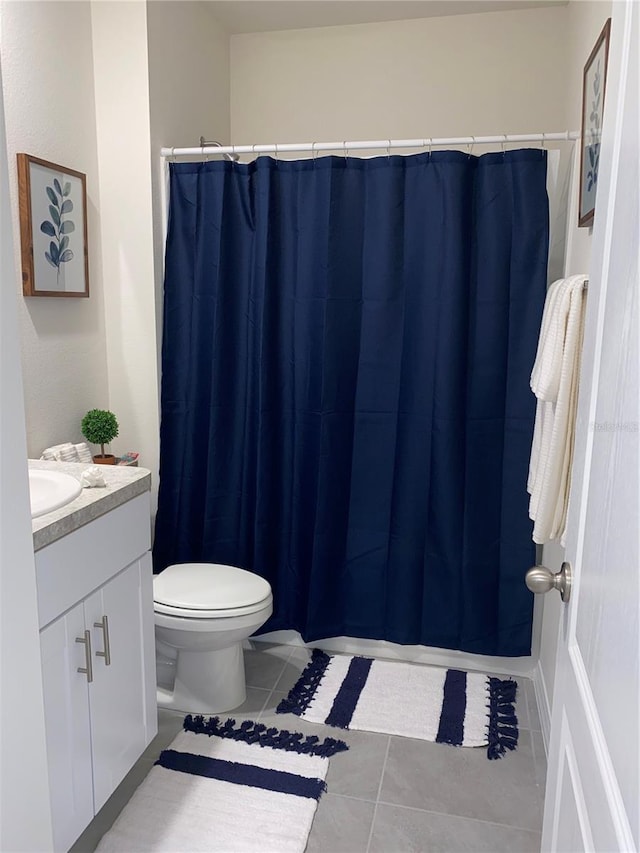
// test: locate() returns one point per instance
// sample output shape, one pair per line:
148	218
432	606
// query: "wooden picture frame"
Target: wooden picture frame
53	229
594	83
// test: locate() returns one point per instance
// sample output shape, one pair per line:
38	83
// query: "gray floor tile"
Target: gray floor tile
540	758
340	825
462	781
269	710
263	665
402	830
169	724
252	706
300	657
357	773
532	707
522	704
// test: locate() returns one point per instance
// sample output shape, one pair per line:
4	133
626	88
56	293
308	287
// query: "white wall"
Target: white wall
173	64
586	20
50	113
189	96
188	74
460	75
121	74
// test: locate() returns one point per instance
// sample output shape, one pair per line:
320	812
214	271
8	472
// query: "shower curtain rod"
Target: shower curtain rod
384	144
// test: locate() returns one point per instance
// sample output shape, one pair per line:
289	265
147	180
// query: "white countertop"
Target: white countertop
123	483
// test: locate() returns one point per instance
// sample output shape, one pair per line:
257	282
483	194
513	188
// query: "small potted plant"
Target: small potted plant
100	427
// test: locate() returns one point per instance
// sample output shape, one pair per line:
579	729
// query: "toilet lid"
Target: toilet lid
208	586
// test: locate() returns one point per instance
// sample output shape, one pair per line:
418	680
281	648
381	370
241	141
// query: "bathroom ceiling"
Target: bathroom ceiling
253	16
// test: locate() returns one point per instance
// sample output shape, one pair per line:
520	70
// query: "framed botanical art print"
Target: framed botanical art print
53	229
593	91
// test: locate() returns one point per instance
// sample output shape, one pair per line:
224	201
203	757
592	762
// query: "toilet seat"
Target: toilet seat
226	613
209	591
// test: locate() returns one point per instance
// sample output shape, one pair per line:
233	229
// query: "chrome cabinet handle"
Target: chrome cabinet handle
88	669
106	654
539	579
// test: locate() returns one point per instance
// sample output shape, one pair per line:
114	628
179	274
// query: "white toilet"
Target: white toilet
203	612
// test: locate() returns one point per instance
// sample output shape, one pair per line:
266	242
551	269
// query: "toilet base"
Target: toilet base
208	682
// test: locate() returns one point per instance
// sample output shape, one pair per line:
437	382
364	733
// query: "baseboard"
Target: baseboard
523	666
543	703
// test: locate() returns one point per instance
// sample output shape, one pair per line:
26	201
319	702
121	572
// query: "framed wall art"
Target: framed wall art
53	229
593	90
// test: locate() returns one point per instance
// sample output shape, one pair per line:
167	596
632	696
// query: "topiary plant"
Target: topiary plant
99	427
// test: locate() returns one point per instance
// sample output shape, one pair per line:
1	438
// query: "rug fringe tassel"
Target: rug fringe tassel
298	699
503	723
258	733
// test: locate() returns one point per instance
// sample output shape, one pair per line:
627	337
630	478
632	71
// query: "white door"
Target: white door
66	707
117	695
593	793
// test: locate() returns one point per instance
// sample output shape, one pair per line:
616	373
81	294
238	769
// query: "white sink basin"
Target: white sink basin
50	490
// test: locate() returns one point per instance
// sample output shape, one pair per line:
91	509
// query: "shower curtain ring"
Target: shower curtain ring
173	148
388	148
344	148
275	145
470	146
502	142
314	153
542	144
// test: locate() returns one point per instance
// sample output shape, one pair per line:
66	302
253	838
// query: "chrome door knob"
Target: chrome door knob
539	579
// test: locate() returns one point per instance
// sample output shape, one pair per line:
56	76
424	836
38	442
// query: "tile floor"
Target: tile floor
386	794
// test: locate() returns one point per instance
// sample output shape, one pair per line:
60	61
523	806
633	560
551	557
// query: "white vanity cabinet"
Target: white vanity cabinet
95	601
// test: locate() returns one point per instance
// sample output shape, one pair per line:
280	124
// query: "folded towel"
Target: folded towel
84	452
554	381
61	453
68	452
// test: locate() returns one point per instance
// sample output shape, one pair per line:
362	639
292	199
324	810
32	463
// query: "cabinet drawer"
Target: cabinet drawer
71	568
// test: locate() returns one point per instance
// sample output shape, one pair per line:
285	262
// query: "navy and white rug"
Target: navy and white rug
407	699
225	789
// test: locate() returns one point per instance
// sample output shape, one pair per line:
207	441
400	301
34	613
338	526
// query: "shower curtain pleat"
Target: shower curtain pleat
345	399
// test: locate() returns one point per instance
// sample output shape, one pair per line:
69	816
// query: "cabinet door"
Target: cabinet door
118	696
66	707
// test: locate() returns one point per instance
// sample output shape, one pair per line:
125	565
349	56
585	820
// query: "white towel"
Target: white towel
554	381
68	452
61	453
84	452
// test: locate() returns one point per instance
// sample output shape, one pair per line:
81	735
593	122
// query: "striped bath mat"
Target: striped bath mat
407	699
225	789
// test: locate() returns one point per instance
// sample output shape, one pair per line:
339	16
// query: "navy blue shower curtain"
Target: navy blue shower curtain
345	389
